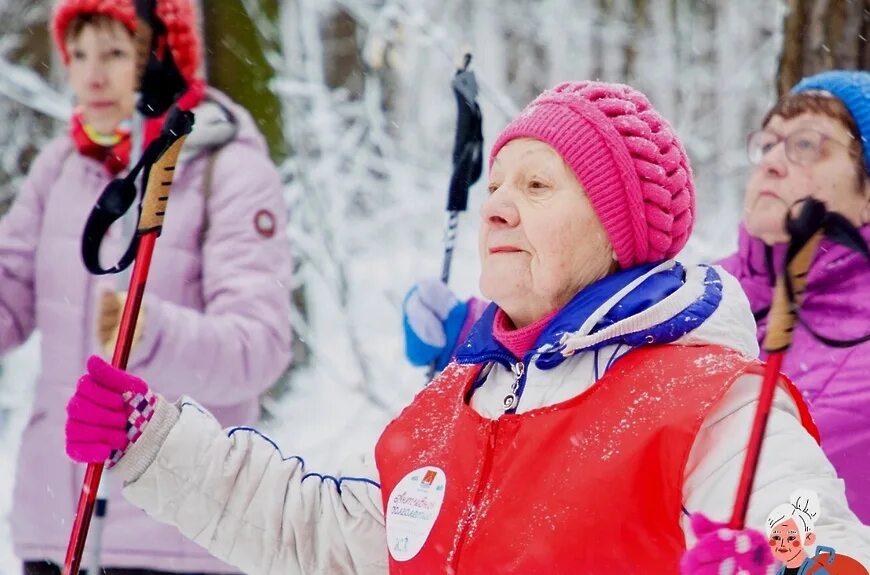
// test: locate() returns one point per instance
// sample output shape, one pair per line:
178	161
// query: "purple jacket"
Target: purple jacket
215	326
835	382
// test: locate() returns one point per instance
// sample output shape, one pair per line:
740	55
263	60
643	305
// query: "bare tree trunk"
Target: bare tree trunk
342	61
243	48
639	21
237	62
823	35
35	52
27	42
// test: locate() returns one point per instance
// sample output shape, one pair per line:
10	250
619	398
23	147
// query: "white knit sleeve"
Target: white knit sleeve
790	459
236	494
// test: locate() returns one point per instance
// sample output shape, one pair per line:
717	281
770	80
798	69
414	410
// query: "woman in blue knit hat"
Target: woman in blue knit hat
814	142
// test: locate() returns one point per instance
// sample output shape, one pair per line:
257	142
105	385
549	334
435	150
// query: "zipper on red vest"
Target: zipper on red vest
482	485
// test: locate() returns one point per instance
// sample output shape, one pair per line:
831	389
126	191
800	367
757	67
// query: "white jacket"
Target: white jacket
235	493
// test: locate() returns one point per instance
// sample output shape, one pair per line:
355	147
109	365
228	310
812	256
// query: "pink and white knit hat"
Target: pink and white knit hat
627	158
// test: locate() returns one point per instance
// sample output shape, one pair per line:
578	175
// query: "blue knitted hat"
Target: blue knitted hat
852	87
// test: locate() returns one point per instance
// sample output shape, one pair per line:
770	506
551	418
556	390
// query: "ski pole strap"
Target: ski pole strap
468	141
813	223
831	342
114	202
159	158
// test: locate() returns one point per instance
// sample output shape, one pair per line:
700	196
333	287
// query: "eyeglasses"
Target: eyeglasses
802	147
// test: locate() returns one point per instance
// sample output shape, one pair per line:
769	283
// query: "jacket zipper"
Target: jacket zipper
485	471
518	368
511	400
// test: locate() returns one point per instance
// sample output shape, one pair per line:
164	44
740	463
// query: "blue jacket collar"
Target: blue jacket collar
482	347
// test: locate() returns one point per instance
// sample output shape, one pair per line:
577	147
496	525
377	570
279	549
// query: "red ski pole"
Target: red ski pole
780	329
157	190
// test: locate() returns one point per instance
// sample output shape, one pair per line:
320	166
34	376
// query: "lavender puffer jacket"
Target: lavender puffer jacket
215	325
835	382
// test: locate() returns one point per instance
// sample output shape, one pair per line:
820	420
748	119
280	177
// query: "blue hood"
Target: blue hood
636	290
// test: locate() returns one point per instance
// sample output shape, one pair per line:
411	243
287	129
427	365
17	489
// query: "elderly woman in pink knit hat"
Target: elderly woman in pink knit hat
594	420
202	330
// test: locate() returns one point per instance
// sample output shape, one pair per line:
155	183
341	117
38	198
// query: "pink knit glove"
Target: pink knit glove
107	413
721	550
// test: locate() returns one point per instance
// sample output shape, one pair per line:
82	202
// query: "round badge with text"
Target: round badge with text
412	508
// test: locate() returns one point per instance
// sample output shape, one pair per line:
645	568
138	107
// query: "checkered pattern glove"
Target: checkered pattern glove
107	413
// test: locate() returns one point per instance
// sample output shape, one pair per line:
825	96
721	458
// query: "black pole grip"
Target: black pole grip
468	141
120	194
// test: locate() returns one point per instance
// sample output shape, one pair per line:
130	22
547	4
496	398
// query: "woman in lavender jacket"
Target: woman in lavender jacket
823	125
214	320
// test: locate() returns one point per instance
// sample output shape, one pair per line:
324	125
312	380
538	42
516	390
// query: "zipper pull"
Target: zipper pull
511	399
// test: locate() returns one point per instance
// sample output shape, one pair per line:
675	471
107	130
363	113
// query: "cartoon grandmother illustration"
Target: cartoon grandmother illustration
790	533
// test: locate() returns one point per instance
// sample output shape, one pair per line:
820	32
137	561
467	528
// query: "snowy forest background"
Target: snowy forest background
354	98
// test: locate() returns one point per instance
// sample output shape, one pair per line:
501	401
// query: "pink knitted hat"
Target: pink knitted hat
626	156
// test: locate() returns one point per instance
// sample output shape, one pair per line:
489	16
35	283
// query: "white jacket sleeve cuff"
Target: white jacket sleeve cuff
142	453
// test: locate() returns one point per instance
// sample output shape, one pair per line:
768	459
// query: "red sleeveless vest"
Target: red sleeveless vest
589	485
